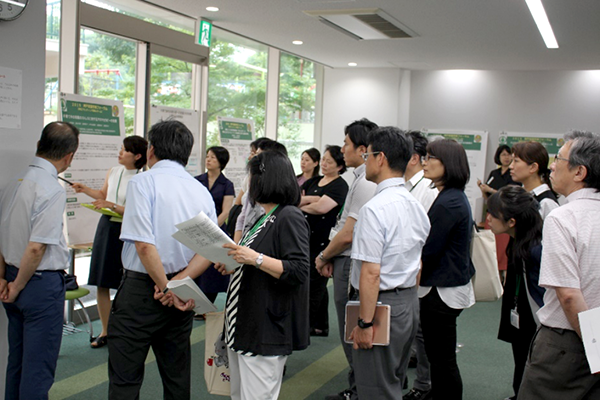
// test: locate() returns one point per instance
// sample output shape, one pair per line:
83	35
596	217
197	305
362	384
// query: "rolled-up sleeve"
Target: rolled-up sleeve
137	220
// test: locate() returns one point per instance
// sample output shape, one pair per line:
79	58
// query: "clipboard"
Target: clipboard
381	322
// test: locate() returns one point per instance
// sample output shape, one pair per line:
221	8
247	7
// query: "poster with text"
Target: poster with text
475	145
101	132
11	88
190	119
551	141
236	136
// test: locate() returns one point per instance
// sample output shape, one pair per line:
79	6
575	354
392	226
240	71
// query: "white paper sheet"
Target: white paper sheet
203	236
186	289
589	322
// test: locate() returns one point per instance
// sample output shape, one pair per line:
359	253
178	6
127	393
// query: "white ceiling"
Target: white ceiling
452	34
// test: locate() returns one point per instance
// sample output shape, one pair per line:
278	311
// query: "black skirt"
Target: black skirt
106	268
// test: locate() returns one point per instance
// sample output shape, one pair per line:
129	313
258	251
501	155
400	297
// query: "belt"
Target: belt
394	290
145	277
560	331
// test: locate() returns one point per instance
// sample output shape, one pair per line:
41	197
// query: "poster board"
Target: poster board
475	145
551	141
236	135
101	132
189	118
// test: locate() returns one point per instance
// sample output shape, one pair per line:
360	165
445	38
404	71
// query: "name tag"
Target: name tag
514	318
332	233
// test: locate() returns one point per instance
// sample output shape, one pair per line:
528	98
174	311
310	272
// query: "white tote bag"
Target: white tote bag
216	364
486	281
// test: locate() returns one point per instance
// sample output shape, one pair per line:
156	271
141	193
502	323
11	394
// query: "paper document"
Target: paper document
203	236
589	322
186	289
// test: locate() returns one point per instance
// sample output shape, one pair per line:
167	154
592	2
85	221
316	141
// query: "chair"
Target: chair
77	294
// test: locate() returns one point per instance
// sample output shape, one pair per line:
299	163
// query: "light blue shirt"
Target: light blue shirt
391	231
157	200
31	210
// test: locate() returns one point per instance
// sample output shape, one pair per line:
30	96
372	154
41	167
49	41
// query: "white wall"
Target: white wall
517	101
22	48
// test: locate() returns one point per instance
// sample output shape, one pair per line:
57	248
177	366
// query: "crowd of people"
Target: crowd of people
398	235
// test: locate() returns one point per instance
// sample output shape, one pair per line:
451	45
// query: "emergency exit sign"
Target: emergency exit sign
203	32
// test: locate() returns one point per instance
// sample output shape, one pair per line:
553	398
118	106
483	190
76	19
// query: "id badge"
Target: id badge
332	233
514	318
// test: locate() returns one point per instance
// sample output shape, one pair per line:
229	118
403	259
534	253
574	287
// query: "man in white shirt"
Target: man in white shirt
157	200
335	259
557	367
386	250
33	257
422	189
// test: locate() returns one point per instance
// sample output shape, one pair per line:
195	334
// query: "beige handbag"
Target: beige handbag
486	281
216	364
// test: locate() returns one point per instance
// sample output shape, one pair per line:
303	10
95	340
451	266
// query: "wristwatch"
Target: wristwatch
114	207
321	257
259	260
364	325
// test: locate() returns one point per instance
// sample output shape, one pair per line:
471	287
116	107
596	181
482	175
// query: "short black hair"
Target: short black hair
358	131
256	143
394	143
172	140
272	145
456	164
499	150
221	154
136	145
272	179
314	155
336	153
419	143
58	139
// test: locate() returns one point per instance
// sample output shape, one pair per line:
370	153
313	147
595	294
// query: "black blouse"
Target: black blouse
497	179
272	315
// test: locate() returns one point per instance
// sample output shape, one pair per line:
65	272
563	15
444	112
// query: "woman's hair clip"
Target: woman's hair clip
262	168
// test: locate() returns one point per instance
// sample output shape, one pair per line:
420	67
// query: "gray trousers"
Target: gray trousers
557	368
423	379
341	275
380	371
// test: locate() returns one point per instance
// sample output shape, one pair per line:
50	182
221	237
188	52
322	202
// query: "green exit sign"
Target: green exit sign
203	32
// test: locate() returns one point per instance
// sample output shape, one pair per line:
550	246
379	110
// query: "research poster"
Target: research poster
236	136
551	141
11	88
101	132
475	145
190	119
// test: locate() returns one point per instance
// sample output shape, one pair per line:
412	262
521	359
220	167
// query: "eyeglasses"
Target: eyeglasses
557	159
426	158
366	155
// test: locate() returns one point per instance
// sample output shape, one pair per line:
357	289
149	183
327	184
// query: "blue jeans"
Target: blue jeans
35	323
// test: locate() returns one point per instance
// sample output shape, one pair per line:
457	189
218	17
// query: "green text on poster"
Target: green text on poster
552	145
91	118
468	141
235	130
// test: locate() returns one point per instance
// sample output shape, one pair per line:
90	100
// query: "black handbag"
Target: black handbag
71	282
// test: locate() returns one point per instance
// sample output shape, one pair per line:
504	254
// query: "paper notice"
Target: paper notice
11	87
203	236
589	322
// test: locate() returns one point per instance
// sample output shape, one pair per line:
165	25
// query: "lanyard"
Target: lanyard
252	231
419	181
517	290
119	185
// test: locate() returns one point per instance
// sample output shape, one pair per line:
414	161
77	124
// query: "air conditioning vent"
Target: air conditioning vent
364	24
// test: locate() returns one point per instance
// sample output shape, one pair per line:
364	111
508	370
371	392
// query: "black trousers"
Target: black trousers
318	300
138	322
438	322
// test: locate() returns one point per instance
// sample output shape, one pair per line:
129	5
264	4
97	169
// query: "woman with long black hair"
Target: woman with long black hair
514	211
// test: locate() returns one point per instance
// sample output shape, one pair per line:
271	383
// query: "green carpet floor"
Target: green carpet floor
485	363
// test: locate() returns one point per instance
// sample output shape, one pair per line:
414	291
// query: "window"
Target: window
108	70
237	83
297	95
52	57
171	82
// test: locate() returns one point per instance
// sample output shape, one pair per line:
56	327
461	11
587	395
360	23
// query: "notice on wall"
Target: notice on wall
236	136
11	87
189	118
475	145
551	141
101	132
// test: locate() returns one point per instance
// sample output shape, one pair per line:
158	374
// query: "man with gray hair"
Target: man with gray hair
557	367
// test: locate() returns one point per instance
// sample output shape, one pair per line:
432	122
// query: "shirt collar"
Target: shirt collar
360	170
416	178
389	183
167	164
540	189
585	193
45	165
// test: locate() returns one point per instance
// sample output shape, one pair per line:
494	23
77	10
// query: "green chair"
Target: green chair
76	295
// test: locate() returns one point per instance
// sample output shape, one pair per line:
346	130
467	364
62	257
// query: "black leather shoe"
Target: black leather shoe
416	394
343	395
98	341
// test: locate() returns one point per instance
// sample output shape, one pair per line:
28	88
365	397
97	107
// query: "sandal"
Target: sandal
98	341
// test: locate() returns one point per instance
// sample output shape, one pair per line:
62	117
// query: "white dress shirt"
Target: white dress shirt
391	231
570	255
32	208
157	200
546	205
420	187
